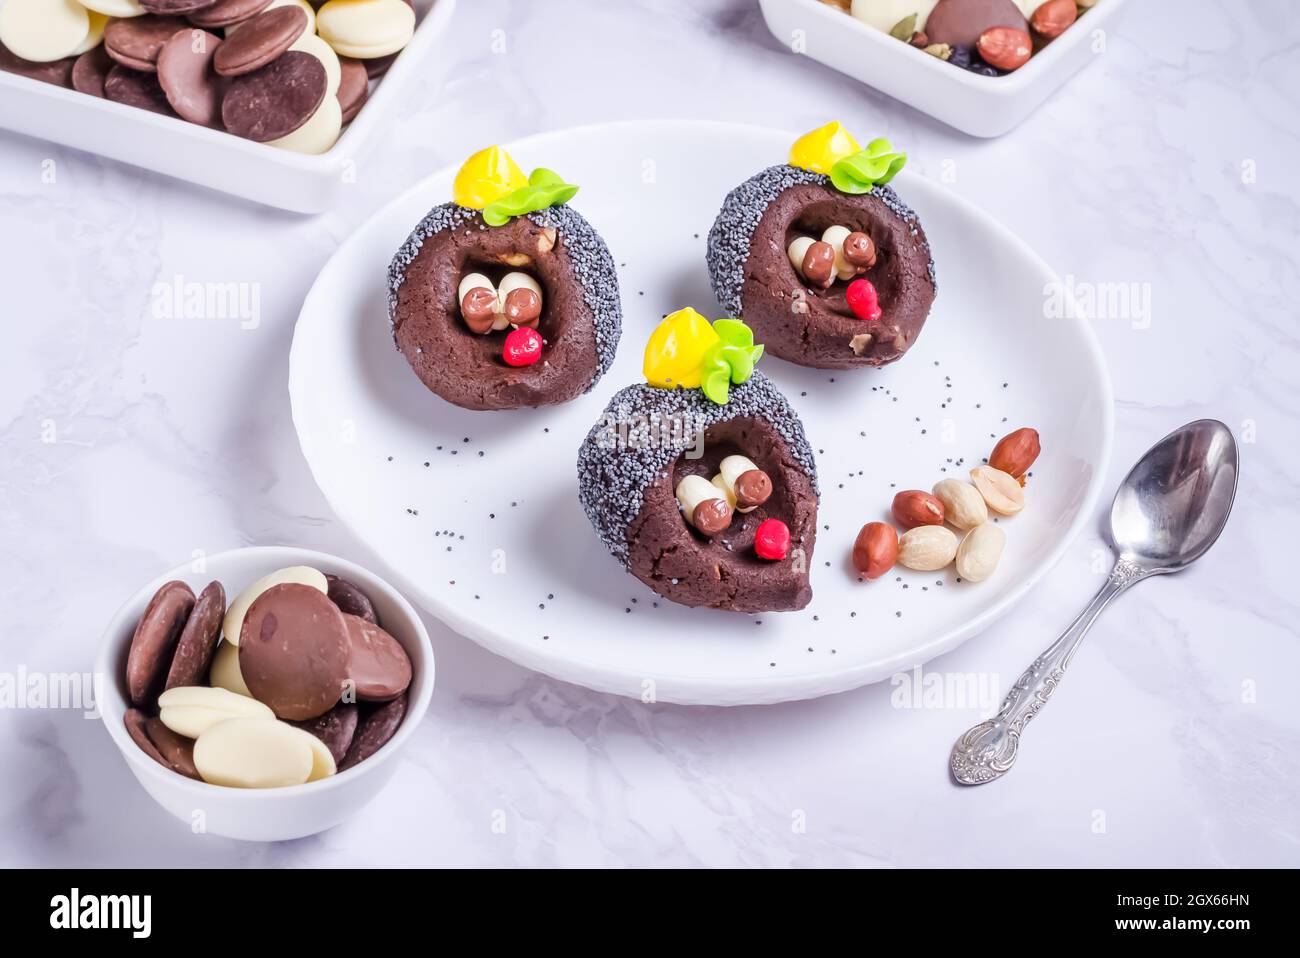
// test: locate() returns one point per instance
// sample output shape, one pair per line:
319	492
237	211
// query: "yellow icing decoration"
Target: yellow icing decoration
674	356
821	149
487	176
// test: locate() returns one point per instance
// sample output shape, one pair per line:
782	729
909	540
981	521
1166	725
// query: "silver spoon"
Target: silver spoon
1168	511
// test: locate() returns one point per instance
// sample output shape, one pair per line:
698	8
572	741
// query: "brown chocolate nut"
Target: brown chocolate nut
91	70
354	87
136	42
272	102
350	598
260	40
294	651
177	751
753	488
479	309
711	516
335	728
374	730
136	723
186	76
523	307
155	638
225	13
819	264
134	88
380	667
57	72
860	251
198	639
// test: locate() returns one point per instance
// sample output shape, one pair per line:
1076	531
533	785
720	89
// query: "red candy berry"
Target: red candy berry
772	539
863	300
523	347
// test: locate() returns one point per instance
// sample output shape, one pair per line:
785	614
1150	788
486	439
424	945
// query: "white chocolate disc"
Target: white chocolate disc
191	710
43	30
96	35
319	133
122	9
225	672
299	574
254	753
365	29
322	760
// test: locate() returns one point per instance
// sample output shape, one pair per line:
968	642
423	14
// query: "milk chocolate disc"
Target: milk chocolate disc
155	639
381	669
274	101
136	41
57	72
959	23
354	87
350	599
175	6
198	639
177	751
123	85
225	13
136	723
260	40
185	72
335	728
91	70
378	66
294	651
374	730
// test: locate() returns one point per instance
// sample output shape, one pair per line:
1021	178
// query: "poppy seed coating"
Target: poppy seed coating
644	429
593	266
733	230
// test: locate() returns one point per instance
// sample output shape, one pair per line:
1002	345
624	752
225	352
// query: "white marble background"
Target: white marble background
1174	741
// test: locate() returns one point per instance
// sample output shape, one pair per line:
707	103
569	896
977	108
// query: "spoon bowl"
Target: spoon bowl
1173	504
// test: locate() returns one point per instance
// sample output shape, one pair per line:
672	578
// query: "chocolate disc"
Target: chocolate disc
225	13
380	669
177	751
354	87
136	724
335	728
294	651
274	101
90	71
185	72
260	40
57	72
134	88
155	640
374	730
198	639
378	66
175	6
350	599
137	41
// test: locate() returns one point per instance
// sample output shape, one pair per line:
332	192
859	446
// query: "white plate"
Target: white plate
214	158
489	535
979	105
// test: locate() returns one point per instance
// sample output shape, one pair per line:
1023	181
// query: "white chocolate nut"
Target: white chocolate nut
696	491
191	710
798	250
225	672
835	236
254	753
299	574
43	30
729	493
927	548
1000	490
963	506
979	552
509	283
322	761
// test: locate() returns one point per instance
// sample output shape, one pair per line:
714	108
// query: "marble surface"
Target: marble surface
1174	740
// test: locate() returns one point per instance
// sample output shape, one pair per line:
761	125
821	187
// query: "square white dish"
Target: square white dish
214	158
978	105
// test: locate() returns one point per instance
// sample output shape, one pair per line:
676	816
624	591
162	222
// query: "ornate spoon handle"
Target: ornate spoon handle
989	749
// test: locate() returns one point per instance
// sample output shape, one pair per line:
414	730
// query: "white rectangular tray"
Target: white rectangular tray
978	105
213	158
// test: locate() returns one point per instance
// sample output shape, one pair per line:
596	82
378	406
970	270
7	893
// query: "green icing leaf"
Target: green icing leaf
874	166
545	189
730	360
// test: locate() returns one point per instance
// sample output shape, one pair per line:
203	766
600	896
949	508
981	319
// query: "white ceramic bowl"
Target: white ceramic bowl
271	814
214	158
978	105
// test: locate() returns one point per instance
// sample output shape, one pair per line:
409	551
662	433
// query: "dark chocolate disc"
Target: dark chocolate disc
177	751
136	41
91	70
260	40
154	641
375	728
225	13
134	88
198	639
350	598
274	101
57	72
175	7
354	87
335	728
